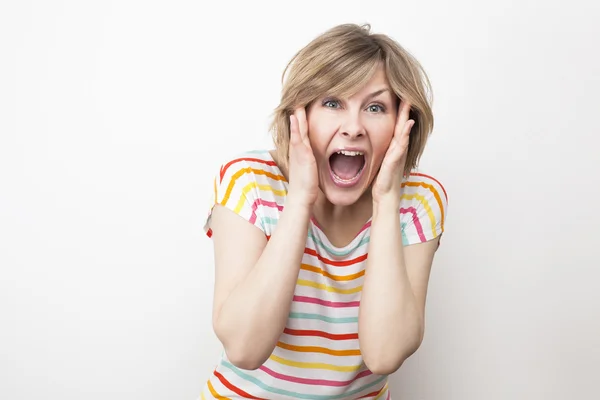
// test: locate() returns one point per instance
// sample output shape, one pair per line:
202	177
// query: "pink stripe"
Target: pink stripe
304	299
415	221
264	203
317	382
388	396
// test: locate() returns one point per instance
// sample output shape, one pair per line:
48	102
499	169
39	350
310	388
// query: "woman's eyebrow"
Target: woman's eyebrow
375	94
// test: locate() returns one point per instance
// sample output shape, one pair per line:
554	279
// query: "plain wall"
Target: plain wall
114	116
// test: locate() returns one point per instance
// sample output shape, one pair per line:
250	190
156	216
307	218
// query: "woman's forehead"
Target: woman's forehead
378	85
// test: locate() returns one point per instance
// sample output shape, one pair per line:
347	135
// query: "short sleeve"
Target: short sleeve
423	209
234	186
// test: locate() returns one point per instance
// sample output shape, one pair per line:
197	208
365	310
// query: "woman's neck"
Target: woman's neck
341	224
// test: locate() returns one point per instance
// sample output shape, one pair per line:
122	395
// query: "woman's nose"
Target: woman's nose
352	127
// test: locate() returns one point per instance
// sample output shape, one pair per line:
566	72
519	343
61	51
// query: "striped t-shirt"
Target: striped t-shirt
317	356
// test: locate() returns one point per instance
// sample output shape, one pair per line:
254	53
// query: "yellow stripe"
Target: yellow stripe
382	392
435	194
318	270
202	395
425	205
307	365
243	171
315	349
303	282
251	186
215	394
433	190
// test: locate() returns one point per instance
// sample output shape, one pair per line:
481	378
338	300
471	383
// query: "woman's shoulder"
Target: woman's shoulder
252	175
247	182
423	207
257	166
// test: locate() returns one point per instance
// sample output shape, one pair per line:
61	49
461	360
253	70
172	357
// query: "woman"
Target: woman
300	309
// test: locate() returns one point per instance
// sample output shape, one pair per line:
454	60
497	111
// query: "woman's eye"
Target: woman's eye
375	108
331	103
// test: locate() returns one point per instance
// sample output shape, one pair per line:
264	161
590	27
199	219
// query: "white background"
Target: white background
115	114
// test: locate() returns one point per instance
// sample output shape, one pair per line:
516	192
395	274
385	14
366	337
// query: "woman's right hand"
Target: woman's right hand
303	178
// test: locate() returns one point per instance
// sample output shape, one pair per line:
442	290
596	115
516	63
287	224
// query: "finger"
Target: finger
294	130
403	115
405	138
400	142
405	109
300	114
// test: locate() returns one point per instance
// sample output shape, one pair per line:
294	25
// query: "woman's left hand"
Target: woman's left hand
389	178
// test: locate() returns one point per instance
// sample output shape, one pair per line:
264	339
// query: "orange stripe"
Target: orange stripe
433	179
318	270
435	194
315	349
234	389
214	393
243	171
258	160
369	395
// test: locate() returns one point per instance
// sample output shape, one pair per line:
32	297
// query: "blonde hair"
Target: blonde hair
339	62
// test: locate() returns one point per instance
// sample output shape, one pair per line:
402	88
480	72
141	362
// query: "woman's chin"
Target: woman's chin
342	199
340	196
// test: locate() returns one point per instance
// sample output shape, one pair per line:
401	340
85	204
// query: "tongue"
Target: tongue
346	167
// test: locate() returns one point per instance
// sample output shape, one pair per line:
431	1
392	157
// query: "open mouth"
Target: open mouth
346	167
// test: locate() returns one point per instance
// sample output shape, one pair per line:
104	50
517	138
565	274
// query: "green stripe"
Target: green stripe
269	220
273	222
335	252
338	320
404	238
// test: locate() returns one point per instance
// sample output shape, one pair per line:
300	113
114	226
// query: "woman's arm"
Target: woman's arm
255	281
392	307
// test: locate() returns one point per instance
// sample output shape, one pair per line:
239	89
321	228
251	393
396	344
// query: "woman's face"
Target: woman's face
349	138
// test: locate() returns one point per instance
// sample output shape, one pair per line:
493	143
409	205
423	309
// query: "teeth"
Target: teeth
350	153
